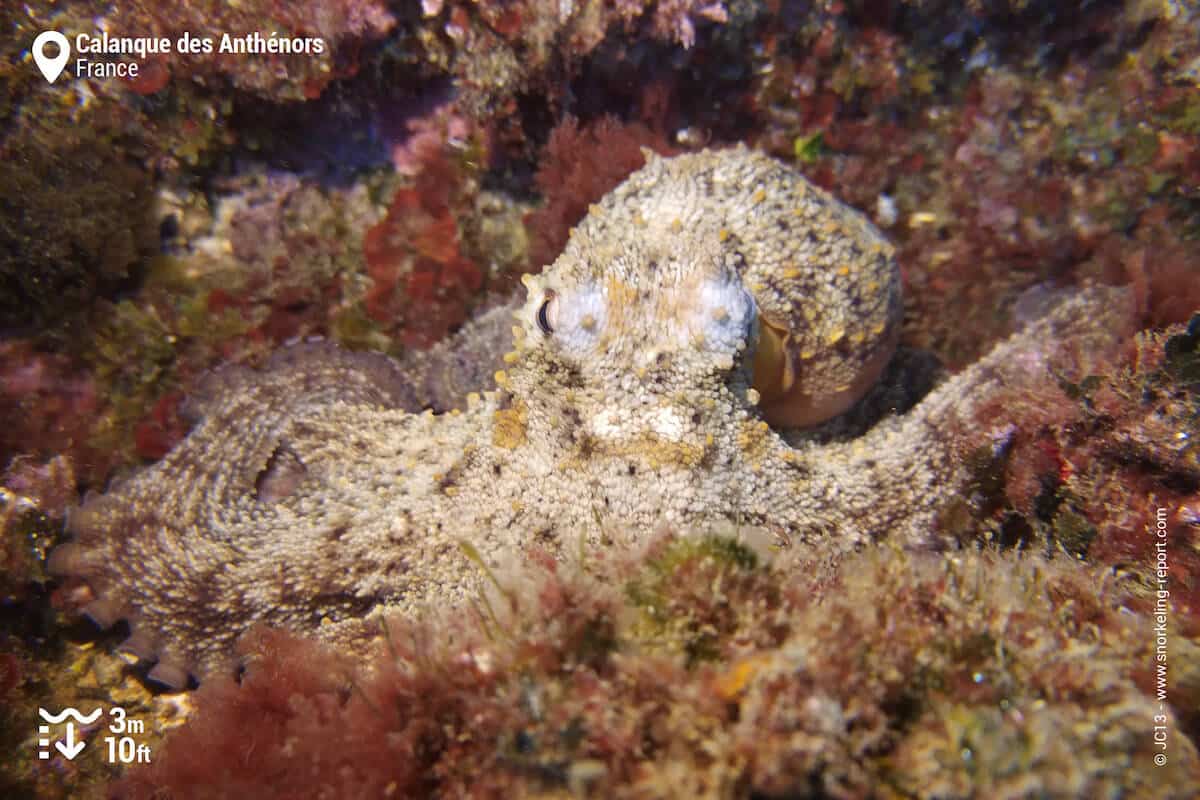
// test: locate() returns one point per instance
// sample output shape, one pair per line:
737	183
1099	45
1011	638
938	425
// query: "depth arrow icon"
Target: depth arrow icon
72	747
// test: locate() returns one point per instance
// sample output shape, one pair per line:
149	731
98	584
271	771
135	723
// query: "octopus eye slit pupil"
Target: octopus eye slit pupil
543	319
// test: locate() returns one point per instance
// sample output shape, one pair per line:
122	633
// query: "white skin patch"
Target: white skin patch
725	315
577	319
665	422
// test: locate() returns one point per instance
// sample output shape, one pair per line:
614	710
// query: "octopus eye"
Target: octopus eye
545	314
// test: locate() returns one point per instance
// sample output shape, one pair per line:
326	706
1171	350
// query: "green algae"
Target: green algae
1072	531
809	148
76	217
1182	352
667	588
133	355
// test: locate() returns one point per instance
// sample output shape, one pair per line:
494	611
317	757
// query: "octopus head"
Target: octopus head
639	318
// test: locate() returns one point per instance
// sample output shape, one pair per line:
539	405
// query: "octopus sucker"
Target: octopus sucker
172	676
104	611
139	644
321	489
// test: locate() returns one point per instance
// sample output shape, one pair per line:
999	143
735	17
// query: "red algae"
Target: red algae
162	429
423	284
1101	452
49	402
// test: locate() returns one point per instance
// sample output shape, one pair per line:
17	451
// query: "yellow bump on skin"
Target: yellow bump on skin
512	357
501	378
791	273
595	210
508	428
588	323
873	287
759	196
798	211
723	234
807	354
450	491
473	399
753	439
857	337
835	335
454	412
709	440
518	332
878	328
676	225
843	271
639	220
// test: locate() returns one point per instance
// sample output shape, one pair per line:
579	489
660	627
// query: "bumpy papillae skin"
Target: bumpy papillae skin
307	497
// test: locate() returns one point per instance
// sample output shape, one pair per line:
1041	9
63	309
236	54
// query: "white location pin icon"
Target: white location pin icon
51	67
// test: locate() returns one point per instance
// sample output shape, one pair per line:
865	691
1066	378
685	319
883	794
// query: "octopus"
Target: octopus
663	370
